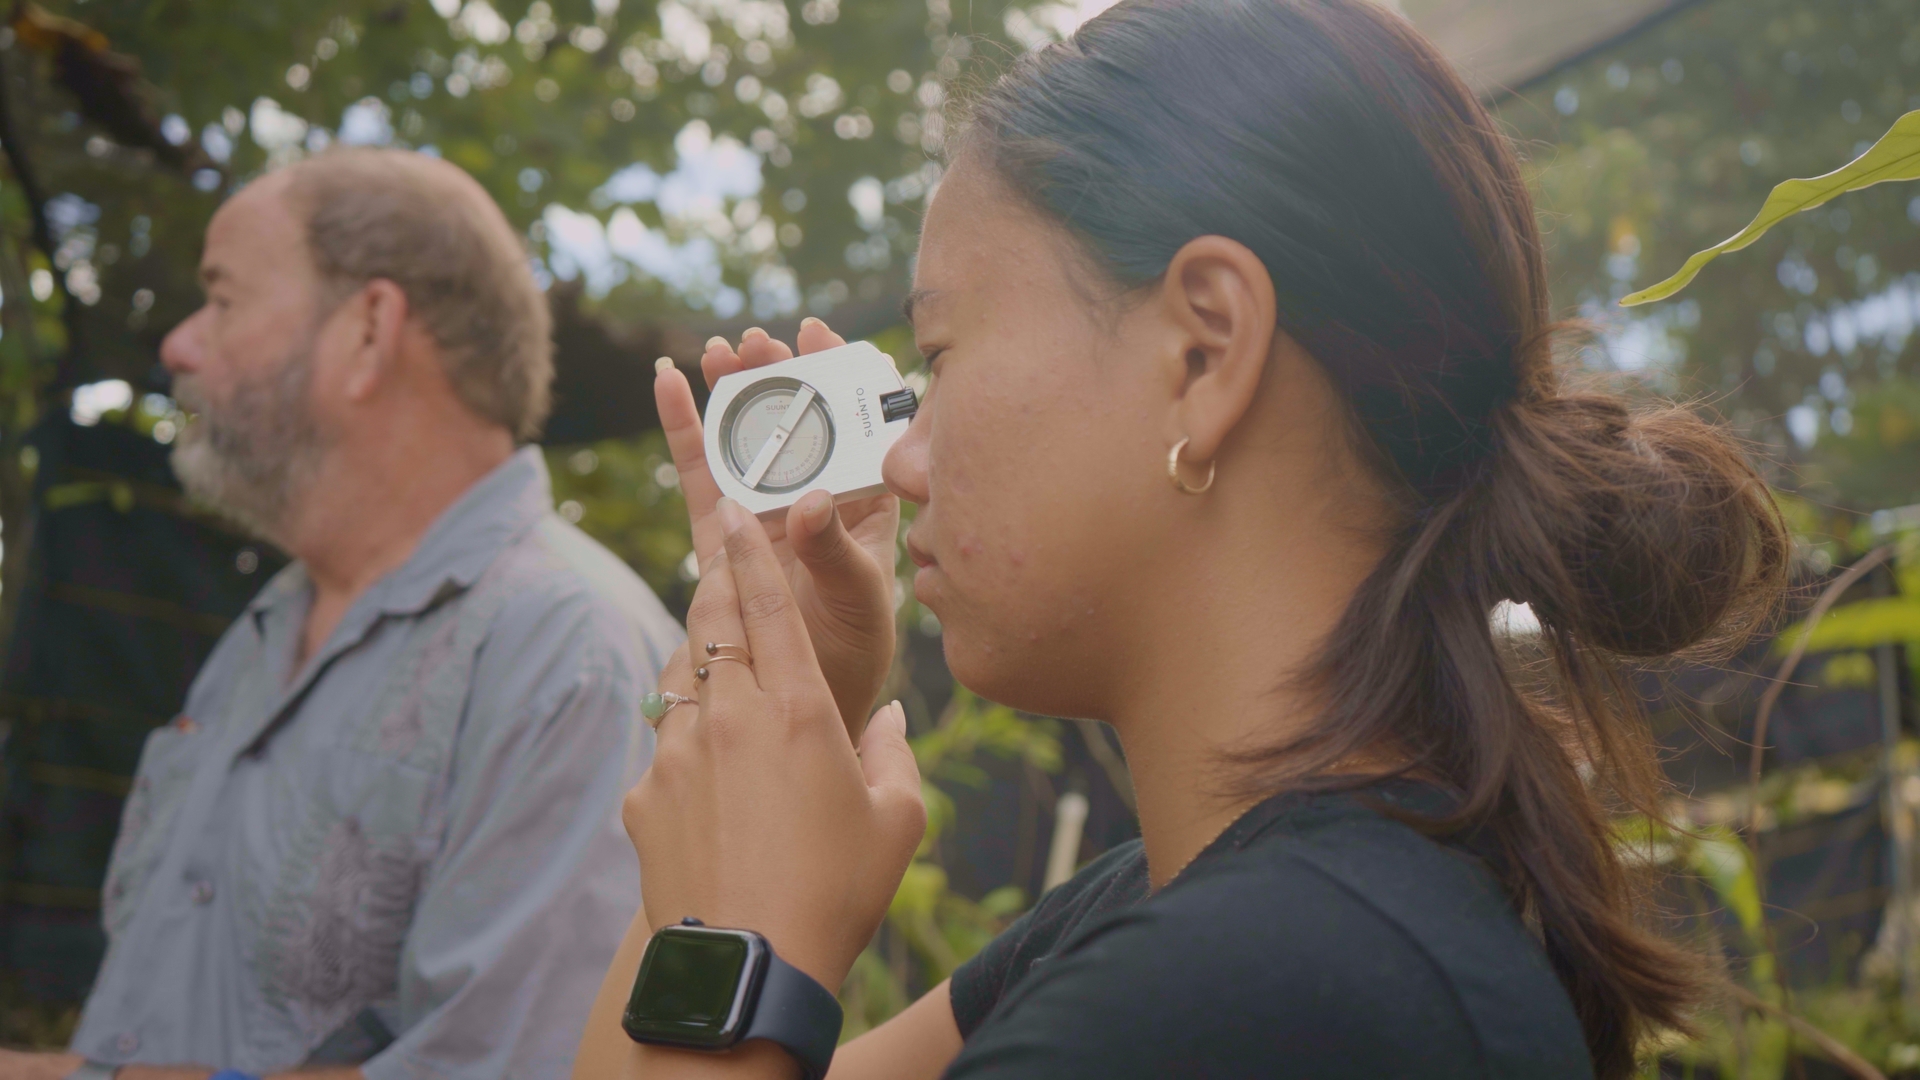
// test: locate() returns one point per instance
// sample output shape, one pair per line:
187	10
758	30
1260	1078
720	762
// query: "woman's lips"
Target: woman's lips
918	554
922	584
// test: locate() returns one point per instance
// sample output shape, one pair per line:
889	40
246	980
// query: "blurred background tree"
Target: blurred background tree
1668	142
677	167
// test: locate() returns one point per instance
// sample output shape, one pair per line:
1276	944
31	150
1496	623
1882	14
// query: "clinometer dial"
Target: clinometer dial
777	435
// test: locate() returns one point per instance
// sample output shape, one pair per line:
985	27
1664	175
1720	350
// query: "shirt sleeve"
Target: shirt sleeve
1113	882
1207	983
978	983
524	906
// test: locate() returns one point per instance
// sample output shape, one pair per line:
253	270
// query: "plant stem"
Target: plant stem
1855	1065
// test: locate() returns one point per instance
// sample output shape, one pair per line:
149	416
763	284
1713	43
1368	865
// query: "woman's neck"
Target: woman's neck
1212	671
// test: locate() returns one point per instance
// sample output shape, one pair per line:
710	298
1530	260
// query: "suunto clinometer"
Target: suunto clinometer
824	420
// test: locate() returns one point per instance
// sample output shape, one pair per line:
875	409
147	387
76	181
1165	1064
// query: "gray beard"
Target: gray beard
251	457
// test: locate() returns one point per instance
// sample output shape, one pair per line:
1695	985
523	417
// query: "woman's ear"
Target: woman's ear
1219	299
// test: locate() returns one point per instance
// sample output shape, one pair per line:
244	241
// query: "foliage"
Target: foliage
1876	463
1896	156
1887	620
930	929
685	160
1662	143
711	155
1864	624
626	494
1731	1041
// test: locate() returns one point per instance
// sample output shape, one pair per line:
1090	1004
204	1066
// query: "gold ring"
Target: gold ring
701	672
655	707
714	647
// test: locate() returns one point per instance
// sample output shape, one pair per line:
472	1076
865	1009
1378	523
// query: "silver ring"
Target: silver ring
655	707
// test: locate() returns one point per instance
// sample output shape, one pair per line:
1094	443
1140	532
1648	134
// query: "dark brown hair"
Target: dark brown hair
1339	146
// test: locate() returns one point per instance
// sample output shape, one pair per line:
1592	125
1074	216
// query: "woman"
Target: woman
1243	420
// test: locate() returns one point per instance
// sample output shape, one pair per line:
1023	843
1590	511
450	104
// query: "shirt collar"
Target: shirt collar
461	543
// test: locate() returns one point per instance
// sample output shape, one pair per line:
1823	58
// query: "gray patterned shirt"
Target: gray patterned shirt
407	853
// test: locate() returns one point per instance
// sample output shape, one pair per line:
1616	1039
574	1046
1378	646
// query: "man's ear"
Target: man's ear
1219	299
378	314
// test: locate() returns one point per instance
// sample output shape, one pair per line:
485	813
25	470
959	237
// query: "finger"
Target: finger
677	678
775	632
815	337
714	616
842	569
893	776
874	523
719	360
758	350
680	420
677	675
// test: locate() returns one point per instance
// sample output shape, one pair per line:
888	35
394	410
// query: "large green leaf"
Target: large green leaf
1886	620
1895	157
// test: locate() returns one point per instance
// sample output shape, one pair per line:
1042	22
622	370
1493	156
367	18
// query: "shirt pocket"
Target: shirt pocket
169	759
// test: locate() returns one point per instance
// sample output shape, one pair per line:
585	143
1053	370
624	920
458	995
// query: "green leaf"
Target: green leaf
1722	860
1895	157
1860	625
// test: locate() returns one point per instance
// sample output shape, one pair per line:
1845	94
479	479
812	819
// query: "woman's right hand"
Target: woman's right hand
756	812
838	560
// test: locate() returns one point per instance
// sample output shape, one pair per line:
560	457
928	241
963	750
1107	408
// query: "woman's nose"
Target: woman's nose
905	467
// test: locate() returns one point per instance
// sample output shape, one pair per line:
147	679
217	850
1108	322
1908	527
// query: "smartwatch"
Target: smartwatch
704	988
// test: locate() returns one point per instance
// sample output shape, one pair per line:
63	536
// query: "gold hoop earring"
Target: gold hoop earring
1173	471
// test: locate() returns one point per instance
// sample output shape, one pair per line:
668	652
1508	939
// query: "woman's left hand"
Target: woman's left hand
757	812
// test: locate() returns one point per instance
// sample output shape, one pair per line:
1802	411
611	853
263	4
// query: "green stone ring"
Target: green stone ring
655	707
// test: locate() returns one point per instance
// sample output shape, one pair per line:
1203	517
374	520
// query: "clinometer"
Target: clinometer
824	420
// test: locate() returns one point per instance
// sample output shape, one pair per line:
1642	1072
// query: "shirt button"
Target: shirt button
203	892
126	1042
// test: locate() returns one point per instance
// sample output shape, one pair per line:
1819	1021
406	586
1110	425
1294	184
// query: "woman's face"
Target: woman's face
1037	458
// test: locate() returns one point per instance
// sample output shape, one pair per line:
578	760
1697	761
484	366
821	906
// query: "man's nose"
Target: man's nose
181	350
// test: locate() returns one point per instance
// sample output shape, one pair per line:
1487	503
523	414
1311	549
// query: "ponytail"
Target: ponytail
1630	534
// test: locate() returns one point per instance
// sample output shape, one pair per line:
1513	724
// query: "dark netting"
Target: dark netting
127	591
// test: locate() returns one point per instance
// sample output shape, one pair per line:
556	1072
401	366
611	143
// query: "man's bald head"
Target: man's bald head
431	229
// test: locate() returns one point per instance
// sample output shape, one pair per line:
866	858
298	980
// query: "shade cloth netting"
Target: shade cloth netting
127	591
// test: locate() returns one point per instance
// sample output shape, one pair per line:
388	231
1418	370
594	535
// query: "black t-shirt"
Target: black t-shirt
1316	939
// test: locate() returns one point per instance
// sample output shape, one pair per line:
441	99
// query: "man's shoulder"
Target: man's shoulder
559	585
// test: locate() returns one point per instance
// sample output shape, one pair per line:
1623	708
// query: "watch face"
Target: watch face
778	435
693	985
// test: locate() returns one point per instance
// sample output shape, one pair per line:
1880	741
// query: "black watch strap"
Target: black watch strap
797	1013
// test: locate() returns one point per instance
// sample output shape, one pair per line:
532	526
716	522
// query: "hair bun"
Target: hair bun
1642	531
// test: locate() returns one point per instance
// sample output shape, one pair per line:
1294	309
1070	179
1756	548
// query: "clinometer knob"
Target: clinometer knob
898	405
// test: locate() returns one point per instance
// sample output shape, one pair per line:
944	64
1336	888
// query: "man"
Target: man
382	839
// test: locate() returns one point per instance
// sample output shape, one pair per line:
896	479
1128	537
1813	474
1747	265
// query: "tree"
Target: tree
1668	142
682	164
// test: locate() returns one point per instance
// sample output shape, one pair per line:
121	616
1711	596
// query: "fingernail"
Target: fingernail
819	507
663	365
751	331
716	340
733	516
812	320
